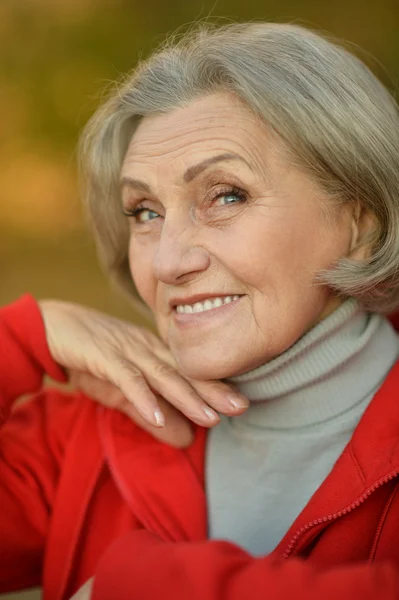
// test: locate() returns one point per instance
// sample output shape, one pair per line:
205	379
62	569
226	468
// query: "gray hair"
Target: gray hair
335	117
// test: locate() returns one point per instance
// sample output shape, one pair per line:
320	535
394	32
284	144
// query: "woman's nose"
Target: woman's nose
178	257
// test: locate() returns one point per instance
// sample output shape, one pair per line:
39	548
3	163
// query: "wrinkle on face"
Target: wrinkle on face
267	249
156	148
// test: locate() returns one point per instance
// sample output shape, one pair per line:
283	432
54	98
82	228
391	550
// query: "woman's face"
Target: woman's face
227	237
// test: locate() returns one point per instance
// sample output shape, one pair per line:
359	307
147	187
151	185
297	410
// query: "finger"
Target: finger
169	384
129	380
177	432
221	396
104	392
224	398
84	382
164	354
195	401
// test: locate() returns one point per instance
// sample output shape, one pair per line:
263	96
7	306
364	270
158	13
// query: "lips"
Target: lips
207	304
194	298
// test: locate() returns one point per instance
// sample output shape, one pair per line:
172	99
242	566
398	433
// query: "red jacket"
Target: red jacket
84	492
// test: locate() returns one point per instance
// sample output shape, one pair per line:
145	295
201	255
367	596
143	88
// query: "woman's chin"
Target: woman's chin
203	368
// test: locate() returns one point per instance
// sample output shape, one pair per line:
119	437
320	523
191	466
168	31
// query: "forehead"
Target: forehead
214	124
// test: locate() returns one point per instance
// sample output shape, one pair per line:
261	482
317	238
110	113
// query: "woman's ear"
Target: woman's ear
354	234
362	226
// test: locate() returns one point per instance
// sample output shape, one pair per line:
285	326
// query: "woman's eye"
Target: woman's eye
141	214
145	214
232	197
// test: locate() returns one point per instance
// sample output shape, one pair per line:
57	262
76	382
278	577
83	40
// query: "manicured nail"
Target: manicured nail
238	402
159	418
211	414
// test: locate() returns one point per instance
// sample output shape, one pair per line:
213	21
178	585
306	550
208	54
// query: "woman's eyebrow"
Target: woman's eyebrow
192	172
189	174
135	183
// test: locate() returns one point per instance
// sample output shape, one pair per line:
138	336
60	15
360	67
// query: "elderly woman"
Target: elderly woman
244	183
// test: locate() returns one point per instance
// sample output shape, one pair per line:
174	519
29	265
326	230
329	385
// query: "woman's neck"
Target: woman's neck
325	373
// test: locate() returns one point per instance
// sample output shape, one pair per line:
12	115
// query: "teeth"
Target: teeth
197	307
203	306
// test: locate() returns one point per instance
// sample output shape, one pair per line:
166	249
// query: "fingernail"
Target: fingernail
159	418
238	402
211	414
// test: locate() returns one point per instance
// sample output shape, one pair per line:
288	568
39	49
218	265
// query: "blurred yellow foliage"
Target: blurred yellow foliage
40	196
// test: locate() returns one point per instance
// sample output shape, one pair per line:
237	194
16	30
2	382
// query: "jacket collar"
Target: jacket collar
165	486
370	459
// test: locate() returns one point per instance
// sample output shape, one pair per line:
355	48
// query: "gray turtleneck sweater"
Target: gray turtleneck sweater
263	466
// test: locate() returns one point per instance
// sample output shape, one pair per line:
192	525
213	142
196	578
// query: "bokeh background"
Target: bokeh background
56	57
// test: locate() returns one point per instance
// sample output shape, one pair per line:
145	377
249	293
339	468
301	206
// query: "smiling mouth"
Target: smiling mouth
209	304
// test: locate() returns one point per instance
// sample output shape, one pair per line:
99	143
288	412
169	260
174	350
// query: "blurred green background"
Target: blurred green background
56	58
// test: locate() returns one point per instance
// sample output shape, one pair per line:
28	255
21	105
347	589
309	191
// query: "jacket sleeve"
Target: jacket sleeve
30	448
140	566
24	354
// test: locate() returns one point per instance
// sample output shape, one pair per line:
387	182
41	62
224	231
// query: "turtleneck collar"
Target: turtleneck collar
325	373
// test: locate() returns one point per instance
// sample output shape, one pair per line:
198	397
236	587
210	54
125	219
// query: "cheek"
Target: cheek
140	263
264	248
315	238
287	249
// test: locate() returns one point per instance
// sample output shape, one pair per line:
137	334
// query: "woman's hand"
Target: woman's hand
127	367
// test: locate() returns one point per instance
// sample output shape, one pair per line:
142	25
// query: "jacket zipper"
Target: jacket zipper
294	541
